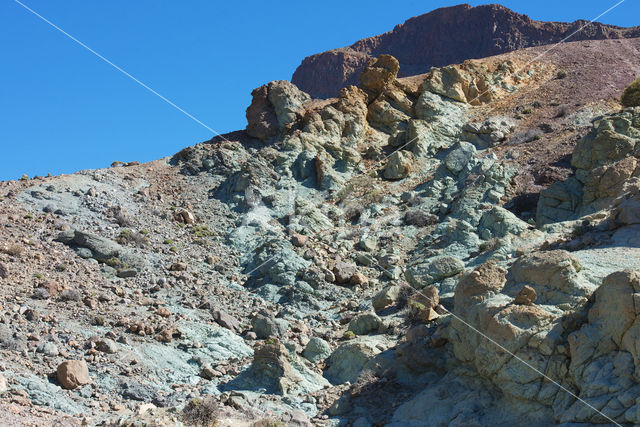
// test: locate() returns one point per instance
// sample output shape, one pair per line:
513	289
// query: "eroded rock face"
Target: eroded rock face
262	122
606	173
273	107
348	360
378	74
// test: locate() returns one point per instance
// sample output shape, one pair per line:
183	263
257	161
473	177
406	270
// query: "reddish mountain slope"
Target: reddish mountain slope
441	37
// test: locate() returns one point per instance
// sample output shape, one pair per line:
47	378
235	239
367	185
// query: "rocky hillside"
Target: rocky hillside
441	37
458	247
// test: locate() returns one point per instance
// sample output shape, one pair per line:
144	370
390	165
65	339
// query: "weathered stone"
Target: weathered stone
4	385
359	279
343	271
553	275
317	349
386	297
271	368
526	296
399	165
490	132
107	345
378	74
459	157
348	360
225	320
73	373
265	326
364	324
262	122
433	270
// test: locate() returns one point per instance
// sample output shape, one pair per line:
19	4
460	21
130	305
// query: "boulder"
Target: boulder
273	107
73	373
499	222
225	320
399	165
101	248
526	296
459	157
433	270
348	360
107	345
317	349
262	122
489	132
287	101
553	275
267	326
365	323
483	282
386	297
343	271
379	73
271	368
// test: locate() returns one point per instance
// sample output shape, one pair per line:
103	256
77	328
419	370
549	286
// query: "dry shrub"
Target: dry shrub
631	95
200	412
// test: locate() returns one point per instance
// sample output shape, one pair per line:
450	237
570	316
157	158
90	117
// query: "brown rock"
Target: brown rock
262	122
299	240
163	312
73	373
178	266
359	279
427	297
378	74
478	285
226	320
526	296
343	271
185	217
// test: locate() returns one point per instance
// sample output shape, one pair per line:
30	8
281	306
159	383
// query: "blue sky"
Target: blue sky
63	109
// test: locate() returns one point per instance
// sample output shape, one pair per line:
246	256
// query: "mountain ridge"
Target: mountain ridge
443	36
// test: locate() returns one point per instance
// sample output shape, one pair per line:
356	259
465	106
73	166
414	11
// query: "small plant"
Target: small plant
561	74
631	95
199	412
61	267
562	111
168	242
114	262
527	110
38	276
130	237
24	177
349	335
201	231
173	249
538	137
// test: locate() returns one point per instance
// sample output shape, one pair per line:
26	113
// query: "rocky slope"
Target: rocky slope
458	247
441	37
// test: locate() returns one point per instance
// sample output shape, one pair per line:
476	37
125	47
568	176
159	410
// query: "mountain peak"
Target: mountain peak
443	36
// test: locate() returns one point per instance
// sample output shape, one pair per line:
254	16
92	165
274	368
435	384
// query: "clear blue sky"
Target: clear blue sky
63	109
